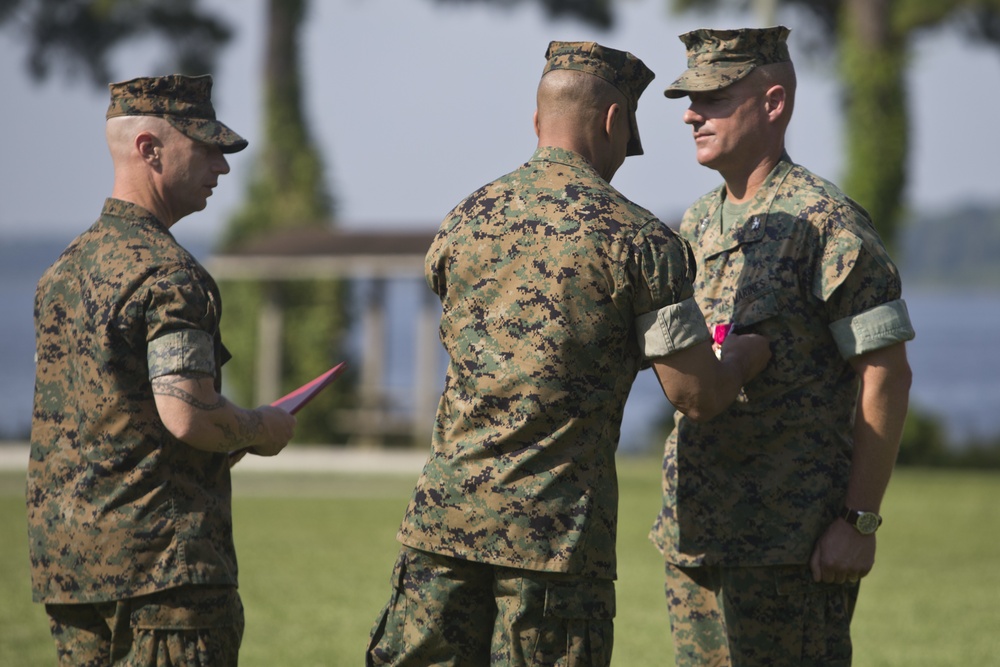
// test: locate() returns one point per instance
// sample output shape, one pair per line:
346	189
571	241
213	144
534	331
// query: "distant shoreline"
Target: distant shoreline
954	377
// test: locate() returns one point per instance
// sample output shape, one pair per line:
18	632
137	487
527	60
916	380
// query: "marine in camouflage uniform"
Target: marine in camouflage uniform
754	503
556	290
130	527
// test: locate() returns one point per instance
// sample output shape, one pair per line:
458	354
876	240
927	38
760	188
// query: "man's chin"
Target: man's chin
195	207
706	161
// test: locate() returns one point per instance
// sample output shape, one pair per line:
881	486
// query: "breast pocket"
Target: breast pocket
764	314
750	313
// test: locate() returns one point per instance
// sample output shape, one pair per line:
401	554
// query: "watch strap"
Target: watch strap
852	517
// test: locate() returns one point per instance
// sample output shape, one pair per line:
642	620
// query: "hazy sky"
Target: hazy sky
415	104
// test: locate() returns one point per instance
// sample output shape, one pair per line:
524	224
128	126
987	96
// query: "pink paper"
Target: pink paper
720	332
293	401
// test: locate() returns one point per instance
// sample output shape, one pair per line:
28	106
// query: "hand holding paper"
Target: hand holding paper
295	400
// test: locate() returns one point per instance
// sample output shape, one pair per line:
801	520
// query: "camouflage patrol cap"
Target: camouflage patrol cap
619	68
183	101
718	58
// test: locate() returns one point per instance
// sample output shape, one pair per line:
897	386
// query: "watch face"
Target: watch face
867	523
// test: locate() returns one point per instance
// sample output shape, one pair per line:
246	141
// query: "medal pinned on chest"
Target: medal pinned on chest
719	333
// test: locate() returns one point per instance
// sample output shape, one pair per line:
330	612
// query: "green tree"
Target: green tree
80	36
287	191
595	12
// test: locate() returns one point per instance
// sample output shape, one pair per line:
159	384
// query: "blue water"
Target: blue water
954	358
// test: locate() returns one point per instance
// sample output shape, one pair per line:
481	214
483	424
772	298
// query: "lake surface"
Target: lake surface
954	359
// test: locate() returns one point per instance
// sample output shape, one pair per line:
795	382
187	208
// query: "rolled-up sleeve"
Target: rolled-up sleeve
671	329
876	328
187	351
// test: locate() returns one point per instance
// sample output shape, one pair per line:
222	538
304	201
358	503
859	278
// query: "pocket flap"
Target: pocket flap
753	310
592	599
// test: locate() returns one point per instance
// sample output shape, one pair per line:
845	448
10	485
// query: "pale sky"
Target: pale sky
415	104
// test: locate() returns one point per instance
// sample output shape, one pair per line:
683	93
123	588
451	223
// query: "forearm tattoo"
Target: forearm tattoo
168	385
249	425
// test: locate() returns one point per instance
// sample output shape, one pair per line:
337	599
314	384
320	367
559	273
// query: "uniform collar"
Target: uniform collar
561	156
713	241
133	213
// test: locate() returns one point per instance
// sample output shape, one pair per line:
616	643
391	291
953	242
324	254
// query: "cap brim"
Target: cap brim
706	79
634	143
209	132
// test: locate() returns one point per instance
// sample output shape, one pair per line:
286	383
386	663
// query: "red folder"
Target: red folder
293	401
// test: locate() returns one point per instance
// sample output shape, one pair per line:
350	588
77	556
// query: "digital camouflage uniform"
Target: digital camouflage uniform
747	494
125	522
555	290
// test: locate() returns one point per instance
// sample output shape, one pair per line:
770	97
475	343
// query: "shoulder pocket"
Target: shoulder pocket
839	257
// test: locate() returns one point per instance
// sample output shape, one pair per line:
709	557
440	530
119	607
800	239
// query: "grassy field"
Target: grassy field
316	549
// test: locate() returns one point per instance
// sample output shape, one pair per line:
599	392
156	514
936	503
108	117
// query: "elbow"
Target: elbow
703	413
700	408
189	431
184	430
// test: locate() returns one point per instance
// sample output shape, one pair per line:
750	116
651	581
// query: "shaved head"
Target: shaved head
585	114
122	130
778	74
570	96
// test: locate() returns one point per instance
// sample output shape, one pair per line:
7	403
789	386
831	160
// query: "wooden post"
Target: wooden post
373	345
425	378
270	328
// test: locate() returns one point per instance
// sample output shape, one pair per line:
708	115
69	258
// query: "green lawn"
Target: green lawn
316	549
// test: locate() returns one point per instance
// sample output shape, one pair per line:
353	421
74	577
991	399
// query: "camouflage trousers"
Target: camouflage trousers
449	611
189	626
748	616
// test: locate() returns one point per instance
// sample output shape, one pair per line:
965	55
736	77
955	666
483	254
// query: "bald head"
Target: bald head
121	132
573	98
583	113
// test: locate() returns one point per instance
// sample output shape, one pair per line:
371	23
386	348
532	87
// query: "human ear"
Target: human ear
612	116
148	147
774	102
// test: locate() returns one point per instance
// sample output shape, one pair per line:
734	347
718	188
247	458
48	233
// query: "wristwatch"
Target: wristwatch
866	523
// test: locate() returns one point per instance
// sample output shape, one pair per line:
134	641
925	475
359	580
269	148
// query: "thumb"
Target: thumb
817	572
